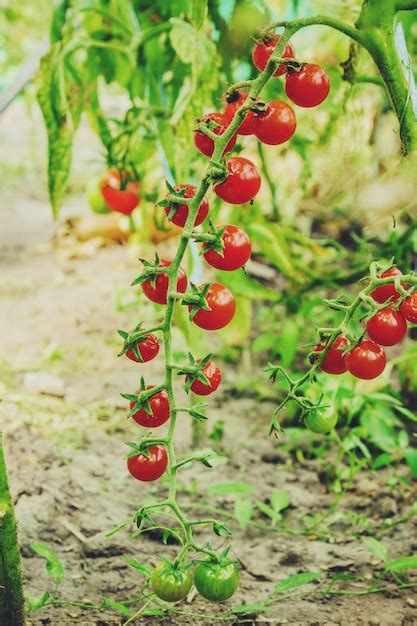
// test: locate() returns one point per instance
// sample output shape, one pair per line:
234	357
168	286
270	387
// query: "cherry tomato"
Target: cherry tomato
95	197
204	143
160	410
181	210
213	375
321	421
334	361
408	308
117	199
263	49
236	250
387	327
148	469
382	293
309	86
222	307
367	360
246	127
158	291
242	183
276	125
148	348
171	583
216	581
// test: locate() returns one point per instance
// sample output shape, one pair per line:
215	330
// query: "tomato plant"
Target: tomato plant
119	193
408	308
207	379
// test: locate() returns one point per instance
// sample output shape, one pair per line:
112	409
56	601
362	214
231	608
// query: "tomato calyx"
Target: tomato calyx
197	300
152	269
143	447
141	398
132	341
194	371
294	66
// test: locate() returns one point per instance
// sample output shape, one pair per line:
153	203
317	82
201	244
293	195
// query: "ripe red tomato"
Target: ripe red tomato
387	327
222	307
181	210
263	49
204	143
408	308
242	183
117	199
157	290
213	375
236	251
334	362
160	410
382	293
309	86
246	127
148	348
148	469
367	360
276	125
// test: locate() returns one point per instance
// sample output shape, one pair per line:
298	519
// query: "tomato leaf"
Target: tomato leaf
401	564
143	569
53	565
376	548
410	456
199	12
34	604
296	581
243	511
117	606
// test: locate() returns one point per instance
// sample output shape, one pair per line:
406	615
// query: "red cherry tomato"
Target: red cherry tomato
160	410
246	127
408	308
117	199
382	293
148	348
157	290
309	86
276	125
236	250
387	327
367	360
213	375
334	362
262	51
242	183
181	210
204	143
222	307
148	469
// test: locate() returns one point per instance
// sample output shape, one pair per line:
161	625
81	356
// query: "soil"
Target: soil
58	316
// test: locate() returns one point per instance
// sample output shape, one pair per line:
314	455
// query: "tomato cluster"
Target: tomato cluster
215	581
115	191
386	327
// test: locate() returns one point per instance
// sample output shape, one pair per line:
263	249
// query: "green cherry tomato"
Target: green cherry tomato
171	583
216	581
95	197
321	422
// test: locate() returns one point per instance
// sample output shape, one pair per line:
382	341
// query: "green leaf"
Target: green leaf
58	19
274	250
296	581
410	456
243	511
199	12
376	548
382	460
288	342
54	566
280	500
223	489
143	569
247	287
403	563
35	604
117	606
247	609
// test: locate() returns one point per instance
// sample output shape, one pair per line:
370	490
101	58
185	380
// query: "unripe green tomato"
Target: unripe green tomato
321	422
169	583
216	581
95	197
